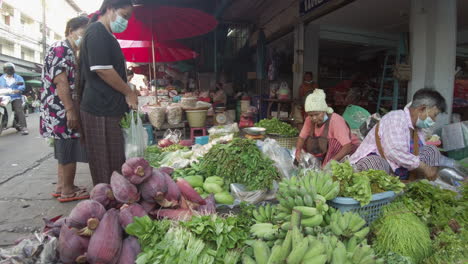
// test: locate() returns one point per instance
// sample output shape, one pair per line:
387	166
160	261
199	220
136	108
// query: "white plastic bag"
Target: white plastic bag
135	143
284	162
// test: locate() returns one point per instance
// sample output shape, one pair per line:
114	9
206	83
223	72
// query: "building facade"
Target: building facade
21	34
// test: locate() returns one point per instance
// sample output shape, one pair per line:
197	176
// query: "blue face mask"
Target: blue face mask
426	123
78	41
119	25
325	118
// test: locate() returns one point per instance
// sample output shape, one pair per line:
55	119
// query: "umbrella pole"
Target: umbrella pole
154	65
149	70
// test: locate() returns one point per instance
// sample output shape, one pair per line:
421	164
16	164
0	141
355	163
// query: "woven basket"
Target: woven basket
285	142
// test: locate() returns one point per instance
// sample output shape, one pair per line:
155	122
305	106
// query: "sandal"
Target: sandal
78	195
58	194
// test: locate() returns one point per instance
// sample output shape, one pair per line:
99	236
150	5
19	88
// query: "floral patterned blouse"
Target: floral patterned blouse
53	121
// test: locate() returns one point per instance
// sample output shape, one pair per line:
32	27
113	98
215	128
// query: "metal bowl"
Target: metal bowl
255	131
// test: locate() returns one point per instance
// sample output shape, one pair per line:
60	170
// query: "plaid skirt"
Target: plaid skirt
428	154
104	143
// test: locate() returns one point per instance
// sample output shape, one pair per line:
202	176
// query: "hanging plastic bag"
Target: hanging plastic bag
135	143
281	156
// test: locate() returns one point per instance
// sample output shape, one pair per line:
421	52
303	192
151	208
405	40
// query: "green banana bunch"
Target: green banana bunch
348	225
265	214
322	183
266	231
363	254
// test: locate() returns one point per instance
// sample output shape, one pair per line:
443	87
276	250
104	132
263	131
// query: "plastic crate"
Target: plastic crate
369	212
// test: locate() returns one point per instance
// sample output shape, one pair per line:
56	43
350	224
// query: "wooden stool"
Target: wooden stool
194	130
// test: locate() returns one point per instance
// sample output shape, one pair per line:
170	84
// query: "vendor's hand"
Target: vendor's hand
132	100
298	156
72	119
429	172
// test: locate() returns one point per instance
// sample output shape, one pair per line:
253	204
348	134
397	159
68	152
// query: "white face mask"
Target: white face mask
78	41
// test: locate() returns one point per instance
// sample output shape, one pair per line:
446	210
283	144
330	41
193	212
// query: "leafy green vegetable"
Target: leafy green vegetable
148	231
449	247
126	120
174	147
240	161
275	126
399	230
362	185
220	234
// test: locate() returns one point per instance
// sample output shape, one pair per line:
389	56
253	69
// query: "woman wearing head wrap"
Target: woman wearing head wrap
325	134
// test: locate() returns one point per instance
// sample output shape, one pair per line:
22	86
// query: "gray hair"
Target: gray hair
429	97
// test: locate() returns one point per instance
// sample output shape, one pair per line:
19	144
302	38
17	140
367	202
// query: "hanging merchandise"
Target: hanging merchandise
284	92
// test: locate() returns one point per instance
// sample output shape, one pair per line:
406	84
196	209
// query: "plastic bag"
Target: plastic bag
135	143
239	191
173	135
40	249
308	161
174	114
283	159
157	117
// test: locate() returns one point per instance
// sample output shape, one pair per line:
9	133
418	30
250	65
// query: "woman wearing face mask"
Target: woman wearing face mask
106	95
59	109
396	143
325	134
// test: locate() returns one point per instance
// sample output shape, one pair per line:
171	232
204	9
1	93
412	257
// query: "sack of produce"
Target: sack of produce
86	216
128	212
105	244
103	194
174	114
124	190
155	188
71	246
157	117
136	170
130	250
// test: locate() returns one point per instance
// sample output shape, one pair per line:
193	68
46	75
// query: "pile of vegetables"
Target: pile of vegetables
400	231
302	228
275	126
361	185
161	157
203	239
93	232
240	161
446	214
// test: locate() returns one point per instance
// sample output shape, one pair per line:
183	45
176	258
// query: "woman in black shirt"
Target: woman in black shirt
106	96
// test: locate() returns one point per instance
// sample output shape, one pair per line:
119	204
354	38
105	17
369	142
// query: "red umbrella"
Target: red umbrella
168	51
161	23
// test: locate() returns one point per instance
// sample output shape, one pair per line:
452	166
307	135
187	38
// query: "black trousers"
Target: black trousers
19	112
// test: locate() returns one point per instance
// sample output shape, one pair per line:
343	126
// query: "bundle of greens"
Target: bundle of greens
400	231
275	126
449	247
240	161
154	155
361	185
126	120
434	205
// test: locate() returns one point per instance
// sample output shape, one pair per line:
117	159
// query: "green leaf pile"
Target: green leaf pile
275	126
240	161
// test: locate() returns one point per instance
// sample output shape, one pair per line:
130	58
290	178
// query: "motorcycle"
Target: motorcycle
8	118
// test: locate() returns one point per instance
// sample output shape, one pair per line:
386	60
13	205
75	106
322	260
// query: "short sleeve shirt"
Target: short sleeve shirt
337	130
53	120
100	50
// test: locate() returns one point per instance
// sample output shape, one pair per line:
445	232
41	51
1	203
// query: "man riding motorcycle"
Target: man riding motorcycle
15	82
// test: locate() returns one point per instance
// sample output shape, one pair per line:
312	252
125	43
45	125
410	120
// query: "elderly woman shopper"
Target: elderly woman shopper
59	114
396	144
325	134
106	95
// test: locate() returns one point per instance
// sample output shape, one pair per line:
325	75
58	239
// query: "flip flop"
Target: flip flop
58	194
78	195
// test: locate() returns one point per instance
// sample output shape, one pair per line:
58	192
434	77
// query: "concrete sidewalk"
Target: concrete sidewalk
25	200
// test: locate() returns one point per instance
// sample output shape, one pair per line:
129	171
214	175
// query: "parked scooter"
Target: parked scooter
8	118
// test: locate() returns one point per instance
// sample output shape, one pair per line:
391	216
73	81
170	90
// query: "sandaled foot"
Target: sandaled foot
57	194
78	195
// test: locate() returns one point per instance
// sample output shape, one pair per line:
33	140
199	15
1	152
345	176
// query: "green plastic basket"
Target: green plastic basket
355	116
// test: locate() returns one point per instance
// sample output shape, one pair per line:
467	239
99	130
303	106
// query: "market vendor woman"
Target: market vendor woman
325	134
396	143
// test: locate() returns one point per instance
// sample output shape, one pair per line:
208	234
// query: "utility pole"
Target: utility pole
44	28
